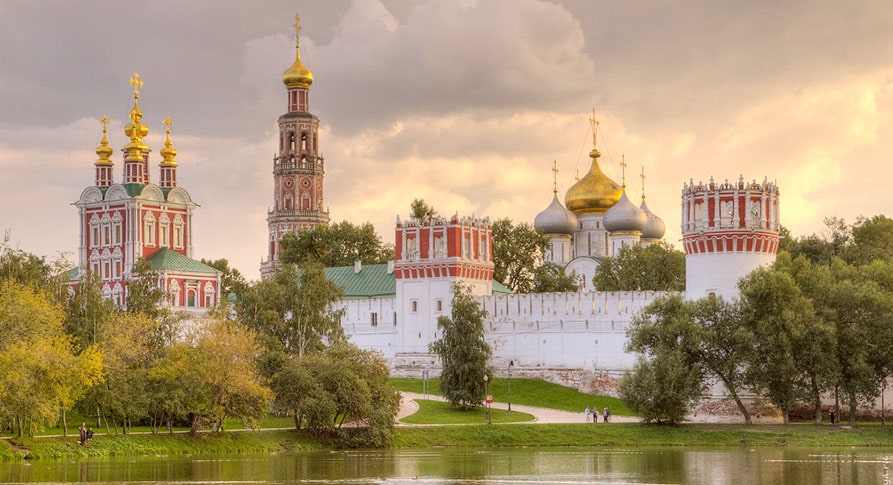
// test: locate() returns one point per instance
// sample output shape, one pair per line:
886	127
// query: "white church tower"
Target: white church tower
728	230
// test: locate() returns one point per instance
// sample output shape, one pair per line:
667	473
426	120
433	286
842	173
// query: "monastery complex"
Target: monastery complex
728	229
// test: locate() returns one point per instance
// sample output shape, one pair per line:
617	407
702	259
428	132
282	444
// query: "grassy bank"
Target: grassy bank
160	444
619	435
635	434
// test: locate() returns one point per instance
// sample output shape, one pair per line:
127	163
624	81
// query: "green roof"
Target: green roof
166	259
499	288
372	280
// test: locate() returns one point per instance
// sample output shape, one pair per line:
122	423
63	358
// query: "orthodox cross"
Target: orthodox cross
555	177
136	82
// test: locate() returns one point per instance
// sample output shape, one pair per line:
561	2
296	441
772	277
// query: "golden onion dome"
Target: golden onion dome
168	152
297	76
104	151
136	130
594	193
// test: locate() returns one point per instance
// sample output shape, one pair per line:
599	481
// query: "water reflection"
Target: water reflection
476	466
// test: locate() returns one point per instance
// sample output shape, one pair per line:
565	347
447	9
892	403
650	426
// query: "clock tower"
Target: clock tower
298	168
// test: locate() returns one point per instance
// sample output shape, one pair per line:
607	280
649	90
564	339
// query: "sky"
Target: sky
462	103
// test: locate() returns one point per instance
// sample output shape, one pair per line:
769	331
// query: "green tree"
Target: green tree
231	281
28	269
143	293
338	245
216	375
41	374
706	332
790	360
463	350
517	251
420	210
656	267
872	240
661	389
87	312
551	278
294	310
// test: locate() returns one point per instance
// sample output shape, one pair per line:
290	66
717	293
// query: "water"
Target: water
477	466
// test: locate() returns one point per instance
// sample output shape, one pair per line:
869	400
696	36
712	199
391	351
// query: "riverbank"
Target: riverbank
612	435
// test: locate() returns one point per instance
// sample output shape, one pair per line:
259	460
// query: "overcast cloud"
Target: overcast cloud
462	103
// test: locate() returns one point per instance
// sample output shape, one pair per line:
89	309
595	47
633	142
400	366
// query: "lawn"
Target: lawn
529	392
439	412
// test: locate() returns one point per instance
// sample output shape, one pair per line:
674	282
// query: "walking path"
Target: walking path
409	406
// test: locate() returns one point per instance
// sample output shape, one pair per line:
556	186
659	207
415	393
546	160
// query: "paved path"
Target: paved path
408	406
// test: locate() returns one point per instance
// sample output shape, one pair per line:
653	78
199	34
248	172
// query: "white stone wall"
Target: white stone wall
719	273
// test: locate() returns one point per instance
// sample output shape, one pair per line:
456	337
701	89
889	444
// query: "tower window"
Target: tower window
374	319
414	306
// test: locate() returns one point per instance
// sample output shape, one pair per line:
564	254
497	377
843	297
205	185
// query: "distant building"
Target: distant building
120	223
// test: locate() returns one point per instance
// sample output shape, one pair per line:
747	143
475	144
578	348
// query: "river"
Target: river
477	466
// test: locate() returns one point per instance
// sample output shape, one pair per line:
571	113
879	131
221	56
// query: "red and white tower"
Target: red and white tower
298	168
430	256
728	230
125	222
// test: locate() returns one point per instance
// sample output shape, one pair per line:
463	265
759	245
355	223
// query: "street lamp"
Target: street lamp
511	363
487	397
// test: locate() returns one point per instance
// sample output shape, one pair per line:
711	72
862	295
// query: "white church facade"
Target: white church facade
728	230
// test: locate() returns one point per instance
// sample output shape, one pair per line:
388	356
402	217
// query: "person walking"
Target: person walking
83	434
587	413
607	413
595	414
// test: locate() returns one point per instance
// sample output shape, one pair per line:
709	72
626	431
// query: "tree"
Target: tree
27	268
707	334
338	245
790	360
87	312
344	384
231	281
41	374
517	251
656	267
215	375
551	278
420	210
294	310
661	390
463	350
143	293
872	240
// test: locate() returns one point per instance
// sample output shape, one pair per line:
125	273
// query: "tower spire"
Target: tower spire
104	162
643	183
297	76
168	164
135	169
594	154
555	178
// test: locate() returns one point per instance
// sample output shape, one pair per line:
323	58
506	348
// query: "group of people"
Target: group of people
86	434
592	414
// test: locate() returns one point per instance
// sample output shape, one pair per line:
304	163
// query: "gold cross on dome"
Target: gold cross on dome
643	182
594	123
623	169
168	123
104	121
297	27
136	82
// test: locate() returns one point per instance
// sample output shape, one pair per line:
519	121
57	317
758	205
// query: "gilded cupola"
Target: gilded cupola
168	152
595	192
297	76
136	130
104	151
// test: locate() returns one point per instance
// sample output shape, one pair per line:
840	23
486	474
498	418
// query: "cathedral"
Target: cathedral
728	230
121	223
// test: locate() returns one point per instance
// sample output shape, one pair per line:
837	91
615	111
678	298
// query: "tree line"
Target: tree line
817	323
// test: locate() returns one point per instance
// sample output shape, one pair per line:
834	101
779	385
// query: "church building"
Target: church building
121	223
